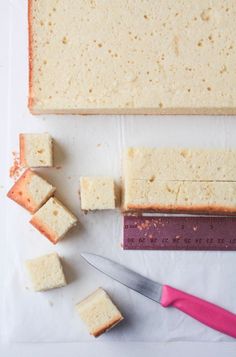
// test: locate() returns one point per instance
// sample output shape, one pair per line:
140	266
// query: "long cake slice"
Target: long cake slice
165	180
182	164
180	196
132	56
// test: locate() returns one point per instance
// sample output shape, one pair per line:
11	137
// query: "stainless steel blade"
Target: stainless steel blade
125	276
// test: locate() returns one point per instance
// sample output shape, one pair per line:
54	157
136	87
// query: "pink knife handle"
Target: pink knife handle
209	314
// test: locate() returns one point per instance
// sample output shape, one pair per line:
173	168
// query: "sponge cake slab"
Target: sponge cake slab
128	57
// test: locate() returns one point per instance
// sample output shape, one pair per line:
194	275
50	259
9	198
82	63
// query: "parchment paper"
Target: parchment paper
93	146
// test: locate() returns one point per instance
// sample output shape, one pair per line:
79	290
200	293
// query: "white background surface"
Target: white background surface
108	347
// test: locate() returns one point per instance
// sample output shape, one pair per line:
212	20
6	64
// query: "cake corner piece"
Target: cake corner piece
36	150
31	191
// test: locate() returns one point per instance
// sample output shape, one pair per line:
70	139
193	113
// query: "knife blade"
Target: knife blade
125	276
205	312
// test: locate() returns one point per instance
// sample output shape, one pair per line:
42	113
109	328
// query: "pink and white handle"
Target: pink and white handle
207	313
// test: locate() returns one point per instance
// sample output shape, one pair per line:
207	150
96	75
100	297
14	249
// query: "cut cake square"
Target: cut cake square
46	272
31	191
97	193
98	312
53	220
36	150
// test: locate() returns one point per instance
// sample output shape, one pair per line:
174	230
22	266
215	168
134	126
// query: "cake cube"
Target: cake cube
98	312
46	272
53	220
31	191
36	150
97	193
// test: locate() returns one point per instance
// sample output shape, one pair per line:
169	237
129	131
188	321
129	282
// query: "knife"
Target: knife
207	313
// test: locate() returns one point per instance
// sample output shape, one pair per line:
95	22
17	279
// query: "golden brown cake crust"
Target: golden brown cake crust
129	111
30	44
19	194
22	150
106	327
221	210
44	229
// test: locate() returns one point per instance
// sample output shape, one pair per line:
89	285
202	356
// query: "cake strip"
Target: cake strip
180	180
180	196
180	164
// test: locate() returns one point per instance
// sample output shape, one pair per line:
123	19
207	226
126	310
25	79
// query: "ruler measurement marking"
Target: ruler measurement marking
179	233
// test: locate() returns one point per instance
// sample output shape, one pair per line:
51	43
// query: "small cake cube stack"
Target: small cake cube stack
46	272
98	312
97	193
34	193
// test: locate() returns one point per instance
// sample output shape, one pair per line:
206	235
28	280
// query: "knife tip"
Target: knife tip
86	255
83	255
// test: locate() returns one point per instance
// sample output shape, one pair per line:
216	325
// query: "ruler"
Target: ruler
179	233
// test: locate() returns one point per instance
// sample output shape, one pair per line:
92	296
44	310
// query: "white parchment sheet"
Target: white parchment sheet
93	146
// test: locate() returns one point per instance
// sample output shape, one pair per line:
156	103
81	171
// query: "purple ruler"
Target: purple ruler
179	233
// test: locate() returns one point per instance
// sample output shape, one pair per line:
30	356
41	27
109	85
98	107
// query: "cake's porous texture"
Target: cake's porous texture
46	272
31	191
179	180
132	56
97	193
98	312
180	164
36	150
53	220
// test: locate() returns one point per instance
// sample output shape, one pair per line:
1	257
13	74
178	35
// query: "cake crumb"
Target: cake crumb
15	168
